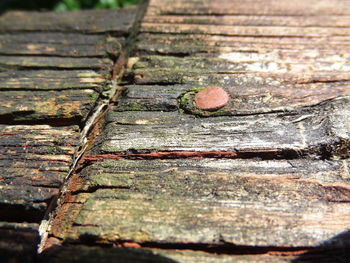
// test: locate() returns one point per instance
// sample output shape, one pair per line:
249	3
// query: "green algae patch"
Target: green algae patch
94	97
186	97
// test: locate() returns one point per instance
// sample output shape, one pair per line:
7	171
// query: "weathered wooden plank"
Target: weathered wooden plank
244	99
149	217
53	62
210	201
252	20
284	60
237	30
58	44
261	77
117	21
51	80
190	220
152	97
287	54
64	108
36	105
280	135
34	160
269	67
271	80
277	181
54	51
58	38
116	173
53	68
190	44
18	242
72	50
237	7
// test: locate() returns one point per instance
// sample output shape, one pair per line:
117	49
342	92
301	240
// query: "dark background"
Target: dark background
62	5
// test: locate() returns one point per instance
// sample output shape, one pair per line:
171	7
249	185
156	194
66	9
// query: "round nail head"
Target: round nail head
211	98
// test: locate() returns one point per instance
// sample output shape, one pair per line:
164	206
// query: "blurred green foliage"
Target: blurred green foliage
64	5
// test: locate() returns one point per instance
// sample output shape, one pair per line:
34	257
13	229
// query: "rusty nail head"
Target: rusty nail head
211	98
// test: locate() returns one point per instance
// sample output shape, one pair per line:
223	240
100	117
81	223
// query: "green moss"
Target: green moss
106	87
107	179
184	99
94	97
134	107
50	149
53	149
187	96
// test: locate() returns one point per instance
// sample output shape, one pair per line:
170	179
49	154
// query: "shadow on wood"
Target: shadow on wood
75	254
327	253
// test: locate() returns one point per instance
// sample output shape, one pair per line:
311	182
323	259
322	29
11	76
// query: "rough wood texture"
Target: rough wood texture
34	160
273	58
255	86
54	68
56	51
213	202
49	96
319	132
251	7
58	44
50	80
114	21
53	107
261	52
152	98
48	62
244	100
263	179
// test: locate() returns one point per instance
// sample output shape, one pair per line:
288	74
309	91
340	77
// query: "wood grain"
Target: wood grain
51	80
267	7
56	52
280	135
34	160
65	108
210	201
263	179
55	44
53	69
93	21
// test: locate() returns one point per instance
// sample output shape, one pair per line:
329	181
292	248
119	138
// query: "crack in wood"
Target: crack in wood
239	154
92	127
